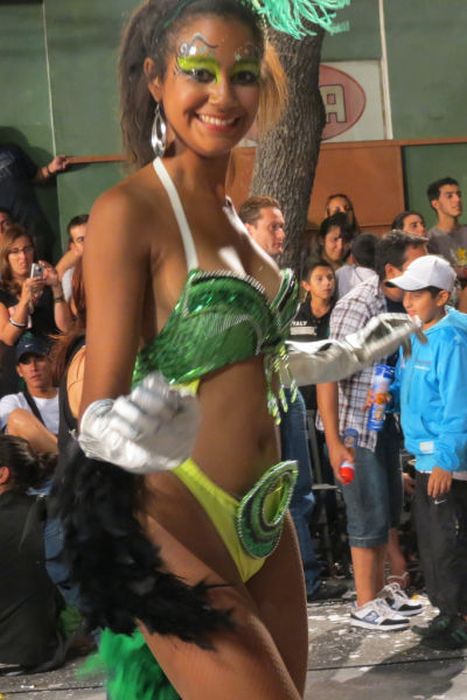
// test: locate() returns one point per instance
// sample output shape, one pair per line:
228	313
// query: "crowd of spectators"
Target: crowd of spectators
346	279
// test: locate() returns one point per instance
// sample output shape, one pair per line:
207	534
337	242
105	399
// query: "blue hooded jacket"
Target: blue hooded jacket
433	395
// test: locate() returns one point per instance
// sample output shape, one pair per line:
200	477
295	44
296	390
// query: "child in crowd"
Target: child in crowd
433	388
310	325
361	264
319	282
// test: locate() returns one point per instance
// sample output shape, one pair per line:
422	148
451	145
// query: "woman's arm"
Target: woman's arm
67	261
116	268
62	314
12	326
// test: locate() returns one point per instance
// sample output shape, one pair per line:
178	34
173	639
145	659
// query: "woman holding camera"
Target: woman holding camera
31	295
31	298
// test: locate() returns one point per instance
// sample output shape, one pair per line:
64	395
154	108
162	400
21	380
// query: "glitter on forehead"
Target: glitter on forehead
197	46
248	52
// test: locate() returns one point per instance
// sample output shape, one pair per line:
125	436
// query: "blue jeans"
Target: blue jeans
373	500
55	562
294	443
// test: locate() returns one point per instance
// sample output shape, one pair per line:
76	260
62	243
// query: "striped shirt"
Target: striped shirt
350	314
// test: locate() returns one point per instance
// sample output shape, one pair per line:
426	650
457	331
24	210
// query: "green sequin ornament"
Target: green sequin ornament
220	319
261	512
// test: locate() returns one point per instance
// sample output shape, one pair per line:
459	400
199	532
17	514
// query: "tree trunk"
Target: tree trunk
287	156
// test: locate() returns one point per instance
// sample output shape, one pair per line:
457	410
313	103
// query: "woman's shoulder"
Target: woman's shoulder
136	203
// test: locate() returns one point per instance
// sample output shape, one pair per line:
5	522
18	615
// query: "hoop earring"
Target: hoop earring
159	133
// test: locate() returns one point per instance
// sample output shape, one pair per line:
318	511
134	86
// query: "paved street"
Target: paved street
344	664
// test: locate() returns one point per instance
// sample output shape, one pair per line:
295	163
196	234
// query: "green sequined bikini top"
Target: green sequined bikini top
220	318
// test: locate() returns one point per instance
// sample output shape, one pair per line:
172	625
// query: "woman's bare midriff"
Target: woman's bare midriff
237	439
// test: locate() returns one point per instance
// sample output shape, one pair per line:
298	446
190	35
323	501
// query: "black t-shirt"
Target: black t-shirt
306	327
17	195
28	598
42	318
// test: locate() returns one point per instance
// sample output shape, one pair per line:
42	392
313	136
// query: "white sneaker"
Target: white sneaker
399	601
377	615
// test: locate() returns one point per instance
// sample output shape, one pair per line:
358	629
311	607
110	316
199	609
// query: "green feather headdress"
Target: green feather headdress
290	16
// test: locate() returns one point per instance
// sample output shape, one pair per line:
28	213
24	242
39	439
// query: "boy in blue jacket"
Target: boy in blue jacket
433	403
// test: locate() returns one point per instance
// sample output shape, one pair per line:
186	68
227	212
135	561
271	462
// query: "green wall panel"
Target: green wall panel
362	40
79	187
24	105
83	39
427	55
424	164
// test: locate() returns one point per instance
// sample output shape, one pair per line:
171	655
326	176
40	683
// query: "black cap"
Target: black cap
31	344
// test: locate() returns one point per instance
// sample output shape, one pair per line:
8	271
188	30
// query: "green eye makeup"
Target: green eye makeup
196	59
201	68
245	68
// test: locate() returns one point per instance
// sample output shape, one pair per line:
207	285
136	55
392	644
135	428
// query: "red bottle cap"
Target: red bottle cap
347	472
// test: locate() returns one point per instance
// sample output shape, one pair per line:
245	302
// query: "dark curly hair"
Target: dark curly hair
27	468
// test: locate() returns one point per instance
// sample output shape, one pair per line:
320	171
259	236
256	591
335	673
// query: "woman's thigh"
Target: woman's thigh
257	656
278	590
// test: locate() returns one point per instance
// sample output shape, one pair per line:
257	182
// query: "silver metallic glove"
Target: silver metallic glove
152	429
332	360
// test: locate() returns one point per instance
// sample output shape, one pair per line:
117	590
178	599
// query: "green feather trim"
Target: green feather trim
132	670
291	16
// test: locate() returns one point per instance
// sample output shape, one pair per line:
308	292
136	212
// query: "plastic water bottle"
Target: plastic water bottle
382	380
347	468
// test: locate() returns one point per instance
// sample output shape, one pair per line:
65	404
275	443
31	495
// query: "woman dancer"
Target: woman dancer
198	548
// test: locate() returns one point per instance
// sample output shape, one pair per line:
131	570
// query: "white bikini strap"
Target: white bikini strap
187	238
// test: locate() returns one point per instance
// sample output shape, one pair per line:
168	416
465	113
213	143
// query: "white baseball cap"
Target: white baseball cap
426	271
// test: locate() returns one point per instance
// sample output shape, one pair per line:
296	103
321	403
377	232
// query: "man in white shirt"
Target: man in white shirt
33	413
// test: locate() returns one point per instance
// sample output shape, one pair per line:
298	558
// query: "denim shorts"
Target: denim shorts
373	500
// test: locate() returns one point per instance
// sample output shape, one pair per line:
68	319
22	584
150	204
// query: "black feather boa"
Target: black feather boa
119	572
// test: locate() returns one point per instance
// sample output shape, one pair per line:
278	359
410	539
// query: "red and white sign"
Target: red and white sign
352	98
344	100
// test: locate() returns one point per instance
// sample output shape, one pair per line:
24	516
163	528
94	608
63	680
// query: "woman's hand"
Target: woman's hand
30	292
49	274
152	429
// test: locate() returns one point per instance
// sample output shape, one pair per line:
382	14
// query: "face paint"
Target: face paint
198	46
204	69
246	71
247	52
196	59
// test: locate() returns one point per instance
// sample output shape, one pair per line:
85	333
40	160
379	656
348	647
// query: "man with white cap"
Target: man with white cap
433	405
